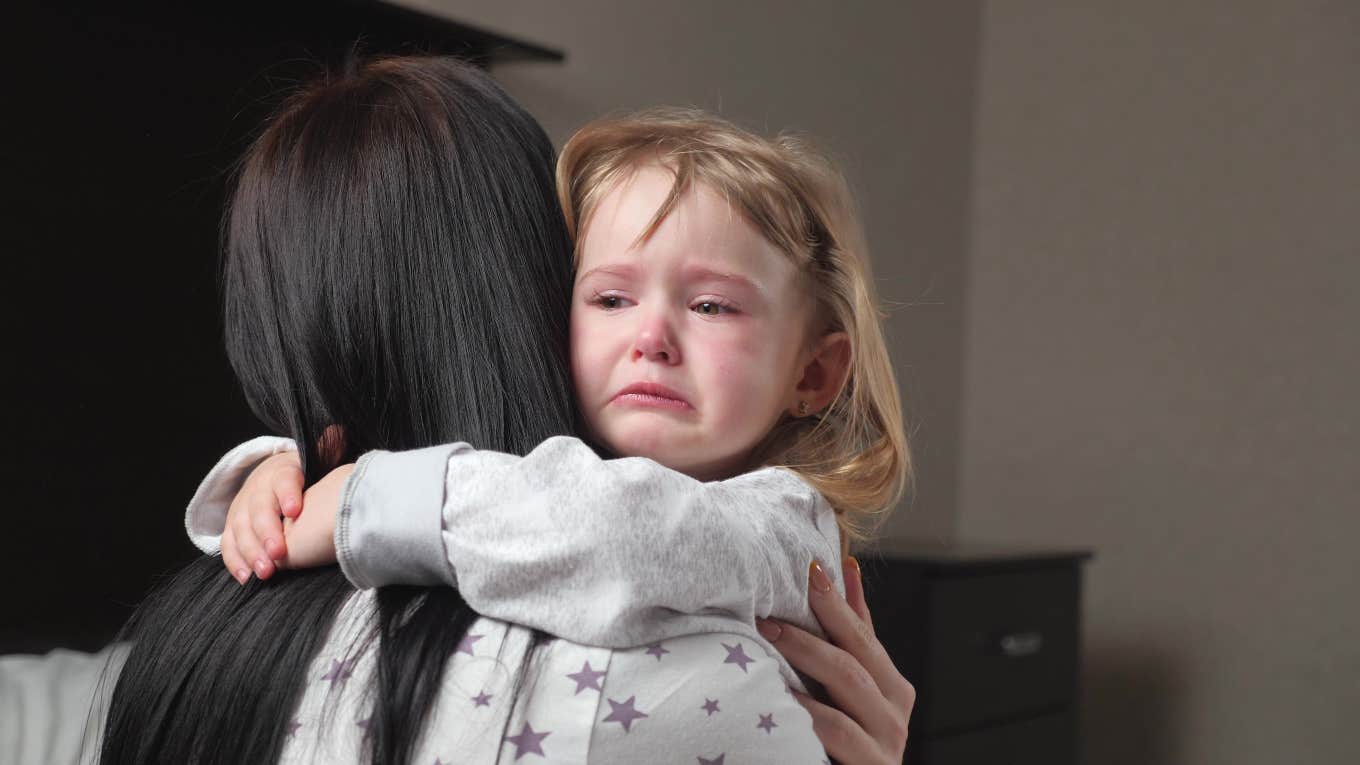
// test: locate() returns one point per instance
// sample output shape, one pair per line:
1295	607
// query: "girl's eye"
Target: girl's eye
608	302
711	308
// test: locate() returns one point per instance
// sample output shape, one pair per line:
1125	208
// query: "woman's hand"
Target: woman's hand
266	528
873	701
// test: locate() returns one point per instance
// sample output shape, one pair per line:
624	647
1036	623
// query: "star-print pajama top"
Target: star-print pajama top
704	698
647	581
650	580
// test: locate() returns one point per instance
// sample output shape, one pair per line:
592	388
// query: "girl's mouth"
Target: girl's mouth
651	396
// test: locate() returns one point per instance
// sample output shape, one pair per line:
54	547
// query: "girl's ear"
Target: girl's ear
823	374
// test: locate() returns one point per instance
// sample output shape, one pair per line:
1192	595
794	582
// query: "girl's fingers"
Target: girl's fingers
288	490
232	559
253	535
852	689
854	590
248	545
844	627
842	739
267	523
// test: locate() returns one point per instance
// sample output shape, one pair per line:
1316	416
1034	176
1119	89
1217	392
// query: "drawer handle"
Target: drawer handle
1020	644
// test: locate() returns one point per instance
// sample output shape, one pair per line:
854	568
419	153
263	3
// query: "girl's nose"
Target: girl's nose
656	342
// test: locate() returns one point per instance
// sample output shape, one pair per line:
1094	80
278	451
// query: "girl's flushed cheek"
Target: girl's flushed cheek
747	371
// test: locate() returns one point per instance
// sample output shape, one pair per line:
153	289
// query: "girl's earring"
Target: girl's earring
802	408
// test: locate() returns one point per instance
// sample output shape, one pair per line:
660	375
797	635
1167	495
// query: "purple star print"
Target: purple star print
656	650
624	713
587	678
365	724
528	741
767	723
710	706
735	655
339	672
482	699
715	761
465	645
293	726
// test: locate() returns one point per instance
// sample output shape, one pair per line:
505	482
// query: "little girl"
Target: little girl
723	326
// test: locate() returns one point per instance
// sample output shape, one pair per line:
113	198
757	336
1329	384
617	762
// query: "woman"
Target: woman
375	213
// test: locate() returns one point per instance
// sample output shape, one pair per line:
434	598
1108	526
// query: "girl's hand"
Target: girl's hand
873	701
253	538
266	528
311	536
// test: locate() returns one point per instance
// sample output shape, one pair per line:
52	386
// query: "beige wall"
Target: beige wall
886	87
1161	359
1151	210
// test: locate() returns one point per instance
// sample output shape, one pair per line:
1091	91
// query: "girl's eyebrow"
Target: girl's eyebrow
617	270
705	274
693	273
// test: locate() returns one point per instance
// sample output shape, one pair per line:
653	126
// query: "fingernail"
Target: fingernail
769	630
242	575
854	566
261	568
818	578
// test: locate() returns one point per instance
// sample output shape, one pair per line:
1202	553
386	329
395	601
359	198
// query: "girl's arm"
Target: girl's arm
207	513
604	552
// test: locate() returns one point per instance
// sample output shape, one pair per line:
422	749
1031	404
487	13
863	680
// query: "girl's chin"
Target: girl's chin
655	442
651	445
700	463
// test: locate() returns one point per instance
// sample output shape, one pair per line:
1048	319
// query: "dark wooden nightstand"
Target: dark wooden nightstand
991	638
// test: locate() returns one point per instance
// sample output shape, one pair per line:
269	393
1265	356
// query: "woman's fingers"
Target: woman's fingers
854	590
852	689
843	739
903	693
873	700
845	628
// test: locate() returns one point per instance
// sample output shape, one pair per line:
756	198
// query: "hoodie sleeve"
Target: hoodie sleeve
206	516
603	552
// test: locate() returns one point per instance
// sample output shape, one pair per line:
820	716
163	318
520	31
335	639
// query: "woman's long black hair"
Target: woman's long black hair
396	264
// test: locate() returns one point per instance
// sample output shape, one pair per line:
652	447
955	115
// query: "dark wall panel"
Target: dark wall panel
120	125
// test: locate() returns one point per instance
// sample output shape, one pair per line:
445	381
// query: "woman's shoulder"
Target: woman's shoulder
476	694
714	696
708	697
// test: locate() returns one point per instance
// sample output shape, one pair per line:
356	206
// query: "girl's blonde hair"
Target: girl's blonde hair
855	453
